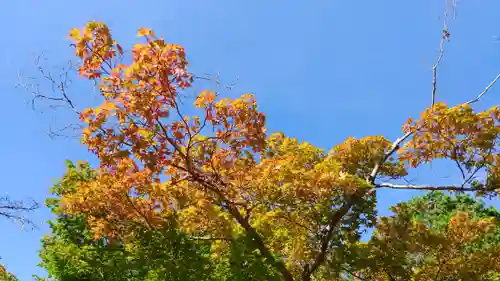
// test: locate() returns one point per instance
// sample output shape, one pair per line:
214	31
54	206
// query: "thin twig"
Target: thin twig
444	37
14	209
485	90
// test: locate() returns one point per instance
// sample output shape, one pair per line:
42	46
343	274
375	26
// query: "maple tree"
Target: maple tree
219	175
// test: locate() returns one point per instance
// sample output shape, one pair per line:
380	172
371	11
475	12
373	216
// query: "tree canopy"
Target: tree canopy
431	237
190	187
211	172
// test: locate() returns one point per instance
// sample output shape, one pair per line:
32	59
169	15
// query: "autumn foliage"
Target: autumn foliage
220	175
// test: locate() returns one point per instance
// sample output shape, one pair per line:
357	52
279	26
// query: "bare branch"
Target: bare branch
427	187
59	86
445	36
484	91
472	175
59	132
15	209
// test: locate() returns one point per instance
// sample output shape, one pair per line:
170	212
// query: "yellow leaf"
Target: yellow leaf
145	133
74	33
144	31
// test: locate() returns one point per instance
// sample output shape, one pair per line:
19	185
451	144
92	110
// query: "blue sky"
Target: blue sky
321	70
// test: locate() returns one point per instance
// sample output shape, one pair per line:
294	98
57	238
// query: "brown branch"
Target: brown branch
57	133
471	176
61	85
280	266
309	269
460	168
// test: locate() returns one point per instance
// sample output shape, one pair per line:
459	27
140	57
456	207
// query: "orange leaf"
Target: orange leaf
144	31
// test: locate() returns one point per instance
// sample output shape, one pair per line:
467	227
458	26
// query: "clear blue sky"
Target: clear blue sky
322	71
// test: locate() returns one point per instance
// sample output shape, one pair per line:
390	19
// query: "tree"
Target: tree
71	252
302	208
221	176
434	237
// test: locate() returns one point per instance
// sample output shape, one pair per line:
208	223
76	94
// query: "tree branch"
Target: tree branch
424	187
280	266
395	146
444	37
14	209
484	91
309	269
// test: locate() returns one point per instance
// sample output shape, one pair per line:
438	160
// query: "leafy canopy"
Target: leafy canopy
220	176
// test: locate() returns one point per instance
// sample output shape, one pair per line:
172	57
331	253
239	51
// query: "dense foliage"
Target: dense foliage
431	237
294	211
72	252
198	189
435	237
